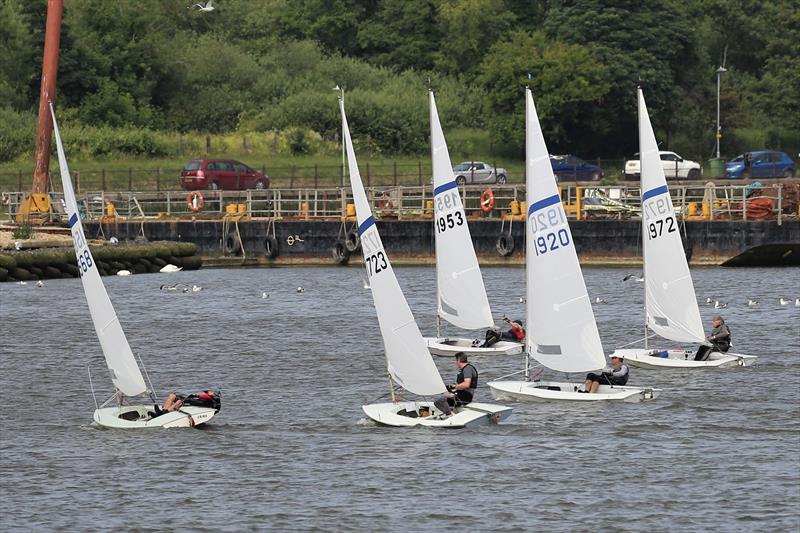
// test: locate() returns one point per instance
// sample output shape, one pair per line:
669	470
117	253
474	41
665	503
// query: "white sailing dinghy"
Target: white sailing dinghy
562	333
461	295
671	309
125	373
409	363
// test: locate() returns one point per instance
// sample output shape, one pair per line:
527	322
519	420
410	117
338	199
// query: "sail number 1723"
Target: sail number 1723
376	263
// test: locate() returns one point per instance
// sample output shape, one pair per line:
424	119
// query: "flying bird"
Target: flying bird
634	277
205	8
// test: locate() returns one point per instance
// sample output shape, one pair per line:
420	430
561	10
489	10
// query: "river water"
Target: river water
291	450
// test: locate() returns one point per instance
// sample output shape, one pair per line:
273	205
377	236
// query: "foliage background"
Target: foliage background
135	76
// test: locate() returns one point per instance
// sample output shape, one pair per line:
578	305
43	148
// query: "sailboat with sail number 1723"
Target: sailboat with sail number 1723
125	373
409	364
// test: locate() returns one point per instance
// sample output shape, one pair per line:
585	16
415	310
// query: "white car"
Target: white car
674	167
478	172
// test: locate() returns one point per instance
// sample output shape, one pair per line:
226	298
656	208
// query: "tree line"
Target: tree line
132	74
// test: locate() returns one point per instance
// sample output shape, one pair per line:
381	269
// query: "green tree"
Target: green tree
567	84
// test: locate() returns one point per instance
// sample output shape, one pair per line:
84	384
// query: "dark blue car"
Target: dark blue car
569	167
763	164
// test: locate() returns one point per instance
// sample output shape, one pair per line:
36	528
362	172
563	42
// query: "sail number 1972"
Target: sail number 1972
654	211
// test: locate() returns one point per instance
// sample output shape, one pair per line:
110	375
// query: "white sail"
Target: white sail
462	297
124	371
670	302
561	330
409	362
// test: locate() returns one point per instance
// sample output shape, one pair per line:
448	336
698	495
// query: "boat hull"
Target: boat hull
566	391
472	415
137	417
653	359
449	346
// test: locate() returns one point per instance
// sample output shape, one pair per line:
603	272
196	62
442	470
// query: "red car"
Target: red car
221	174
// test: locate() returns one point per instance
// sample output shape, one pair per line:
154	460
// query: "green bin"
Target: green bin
716	167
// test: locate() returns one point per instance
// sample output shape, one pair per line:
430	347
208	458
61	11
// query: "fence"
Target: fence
701	202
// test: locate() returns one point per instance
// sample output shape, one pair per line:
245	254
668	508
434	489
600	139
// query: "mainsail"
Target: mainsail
462	297
670	301
121	364
562	333
409	362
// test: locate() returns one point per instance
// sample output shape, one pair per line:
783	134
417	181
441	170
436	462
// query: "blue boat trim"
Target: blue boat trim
366	225
655	192
541	204
73	219
442	188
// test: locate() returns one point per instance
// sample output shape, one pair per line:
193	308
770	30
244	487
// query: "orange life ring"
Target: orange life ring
487	201
195	201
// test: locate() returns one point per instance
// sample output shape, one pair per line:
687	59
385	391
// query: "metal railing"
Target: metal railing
581	202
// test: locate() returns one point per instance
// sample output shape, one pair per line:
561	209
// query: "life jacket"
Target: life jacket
519	333
465	395
621	380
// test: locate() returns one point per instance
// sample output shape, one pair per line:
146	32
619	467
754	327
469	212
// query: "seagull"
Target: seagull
168	287
264	295
300	289
719	305
196	288
205	8
752	303
599	300
40	284
22	282
522	299
113	240
785	302
634	277
170	268
709	301
797	302
123	272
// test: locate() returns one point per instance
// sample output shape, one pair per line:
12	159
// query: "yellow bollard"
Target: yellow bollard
241	208
351	210
110	210
706	210
230	209
578	203
514	207
693	209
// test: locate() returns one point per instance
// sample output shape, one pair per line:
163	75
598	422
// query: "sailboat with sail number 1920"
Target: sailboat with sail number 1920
409	364
125	373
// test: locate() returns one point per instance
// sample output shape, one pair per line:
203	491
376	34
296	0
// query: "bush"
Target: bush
17	134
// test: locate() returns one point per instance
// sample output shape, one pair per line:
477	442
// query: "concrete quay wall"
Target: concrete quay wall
749	243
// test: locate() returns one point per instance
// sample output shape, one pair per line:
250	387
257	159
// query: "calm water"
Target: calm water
290	449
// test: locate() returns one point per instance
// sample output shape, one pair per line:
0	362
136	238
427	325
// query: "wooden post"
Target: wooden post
208	143
395	172
130	179
103	179
368	175
316	176
19	181
77	181
419	164
158	179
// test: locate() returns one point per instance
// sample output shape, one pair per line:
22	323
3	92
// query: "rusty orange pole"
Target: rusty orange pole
44	129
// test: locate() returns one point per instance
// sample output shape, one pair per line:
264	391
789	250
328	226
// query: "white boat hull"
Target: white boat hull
448	346
136	417
654	359
472	415
562	390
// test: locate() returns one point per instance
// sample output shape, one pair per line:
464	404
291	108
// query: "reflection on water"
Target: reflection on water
291	449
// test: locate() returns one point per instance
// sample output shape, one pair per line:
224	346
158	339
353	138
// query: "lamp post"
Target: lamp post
344	157
718	136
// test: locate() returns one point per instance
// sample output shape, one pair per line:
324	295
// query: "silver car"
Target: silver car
478	172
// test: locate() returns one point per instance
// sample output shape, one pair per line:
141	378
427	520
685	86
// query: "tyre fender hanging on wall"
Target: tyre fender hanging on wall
505	244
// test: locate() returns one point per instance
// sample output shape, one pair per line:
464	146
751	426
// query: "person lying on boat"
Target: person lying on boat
618	375
492	338
463	390
720	339
516	331
172	403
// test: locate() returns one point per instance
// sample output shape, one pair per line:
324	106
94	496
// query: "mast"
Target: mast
433	218
642	229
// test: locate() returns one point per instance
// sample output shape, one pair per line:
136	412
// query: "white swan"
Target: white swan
123	272
169	269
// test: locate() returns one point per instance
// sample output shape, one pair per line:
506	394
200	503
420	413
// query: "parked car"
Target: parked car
478	172
221	174
674	167
763	164
569	167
